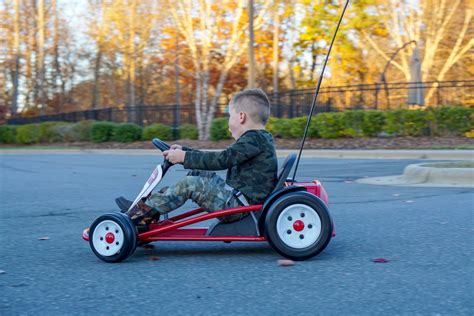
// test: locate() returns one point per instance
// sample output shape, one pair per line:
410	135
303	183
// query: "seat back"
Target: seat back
285	171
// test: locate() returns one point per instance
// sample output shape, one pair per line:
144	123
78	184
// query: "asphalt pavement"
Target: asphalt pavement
424	233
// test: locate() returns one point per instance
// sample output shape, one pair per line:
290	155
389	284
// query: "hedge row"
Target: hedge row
54	132
442	121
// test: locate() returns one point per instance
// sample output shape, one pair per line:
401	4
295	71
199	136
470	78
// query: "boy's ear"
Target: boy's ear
242	117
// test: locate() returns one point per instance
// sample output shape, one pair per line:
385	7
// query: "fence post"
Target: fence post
176	122
438	97
376	96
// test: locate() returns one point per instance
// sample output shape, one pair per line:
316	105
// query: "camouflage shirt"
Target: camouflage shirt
251	164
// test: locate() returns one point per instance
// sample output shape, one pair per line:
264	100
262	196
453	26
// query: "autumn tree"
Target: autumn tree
442	29
215	33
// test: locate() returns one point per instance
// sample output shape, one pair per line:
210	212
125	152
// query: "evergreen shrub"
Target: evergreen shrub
188	131
220	129
161	131
102	131
28	134
127	133
8	134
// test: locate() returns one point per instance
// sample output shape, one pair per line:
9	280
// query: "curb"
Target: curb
424	175
309	153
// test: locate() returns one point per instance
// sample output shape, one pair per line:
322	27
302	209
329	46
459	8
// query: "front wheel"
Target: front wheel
298	226
113	237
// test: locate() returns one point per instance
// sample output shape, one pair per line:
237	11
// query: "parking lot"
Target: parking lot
425	234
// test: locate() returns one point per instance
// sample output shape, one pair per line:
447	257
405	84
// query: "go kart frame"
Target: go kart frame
294	219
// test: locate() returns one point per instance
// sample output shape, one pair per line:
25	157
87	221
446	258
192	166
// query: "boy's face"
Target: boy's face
236	120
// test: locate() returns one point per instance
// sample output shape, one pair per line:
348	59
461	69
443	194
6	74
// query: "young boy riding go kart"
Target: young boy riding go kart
254	203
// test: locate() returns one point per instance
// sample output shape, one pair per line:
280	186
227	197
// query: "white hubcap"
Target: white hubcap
107	238
298	226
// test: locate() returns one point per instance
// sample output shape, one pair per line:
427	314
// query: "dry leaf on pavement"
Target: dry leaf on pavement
285	262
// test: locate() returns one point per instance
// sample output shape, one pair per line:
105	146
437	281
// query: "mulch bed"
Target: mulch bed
342	143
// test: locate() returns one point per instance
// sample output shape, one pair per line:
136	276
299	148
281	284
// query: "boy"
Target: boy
251	165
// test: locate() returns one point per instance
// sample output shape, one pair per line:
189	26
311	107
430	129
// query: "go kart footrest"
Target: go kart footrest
243	227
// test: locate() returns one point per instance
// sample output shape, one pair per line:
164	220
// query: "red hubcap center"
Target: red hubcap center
298	225
109	238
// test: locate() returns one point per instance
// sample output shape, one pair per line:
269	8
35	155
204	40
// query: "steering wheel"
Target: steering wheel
161	145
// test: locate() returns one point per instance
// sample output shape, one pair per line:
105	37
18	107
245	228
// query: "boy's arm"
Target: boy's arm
244	149
189	149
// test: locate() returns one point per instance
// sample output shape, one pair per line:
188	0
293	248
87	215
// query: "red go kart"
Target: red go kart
294	219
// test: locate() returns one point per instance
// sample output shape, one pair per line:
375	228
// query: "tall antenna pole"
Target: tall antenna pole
313	105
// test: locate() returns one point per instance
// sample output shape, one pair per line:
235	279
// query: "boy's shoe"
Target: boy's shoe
123	204
142	214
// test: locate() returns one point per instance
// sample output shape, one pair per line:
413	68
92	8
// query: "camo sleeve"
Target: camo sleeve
245	148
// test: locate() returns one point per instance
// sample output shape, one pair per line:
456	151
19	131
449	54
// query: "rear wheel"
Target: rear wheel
113	237
298	225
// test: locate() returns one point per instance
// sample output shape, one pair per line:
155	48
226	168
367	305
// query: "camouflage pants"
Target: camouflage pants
205	188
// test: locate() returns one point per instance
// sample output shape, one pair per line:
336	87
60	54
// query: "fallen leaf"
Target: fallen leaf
379	260
148	246
153	258
44	238
285	262
2	272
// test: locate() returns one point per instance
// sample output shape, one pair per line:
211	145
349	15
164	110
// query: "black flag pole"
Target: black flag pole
318	86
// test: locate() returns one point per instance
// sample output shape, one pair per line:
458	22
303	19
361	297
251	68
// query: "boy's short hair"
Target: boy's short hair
254	102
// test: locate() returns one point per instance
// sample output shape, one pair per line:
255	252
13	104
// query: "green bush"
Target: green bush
406	122
415	123
453	120
280	127
28	134
74	132
50	133
330	125
81	131
220	129
353	121
127	132
297	126
394	122
102	131
373	123
161	131
188	131
270	126
7	134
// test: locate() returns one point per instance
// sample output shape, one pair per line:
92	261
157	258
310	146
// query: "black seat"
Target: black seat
285	171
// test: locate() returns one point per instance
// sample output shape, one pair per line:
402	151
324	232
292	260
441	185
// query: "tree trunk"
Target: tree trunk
197	105
215	100
276	42
133	117
251	74
177	120
57	66
95	89
41	70
14	104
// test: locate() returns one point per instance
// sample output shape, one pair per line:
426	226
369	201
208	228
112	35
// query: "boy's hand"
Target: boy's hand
174	155
176	146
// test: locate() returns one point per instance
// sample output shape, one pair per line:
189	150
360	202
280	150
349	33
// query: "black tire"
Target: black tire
124	242
318	234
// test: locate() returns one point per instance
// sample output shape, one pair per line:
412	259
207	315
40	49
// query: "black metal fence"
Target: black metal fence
291	103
